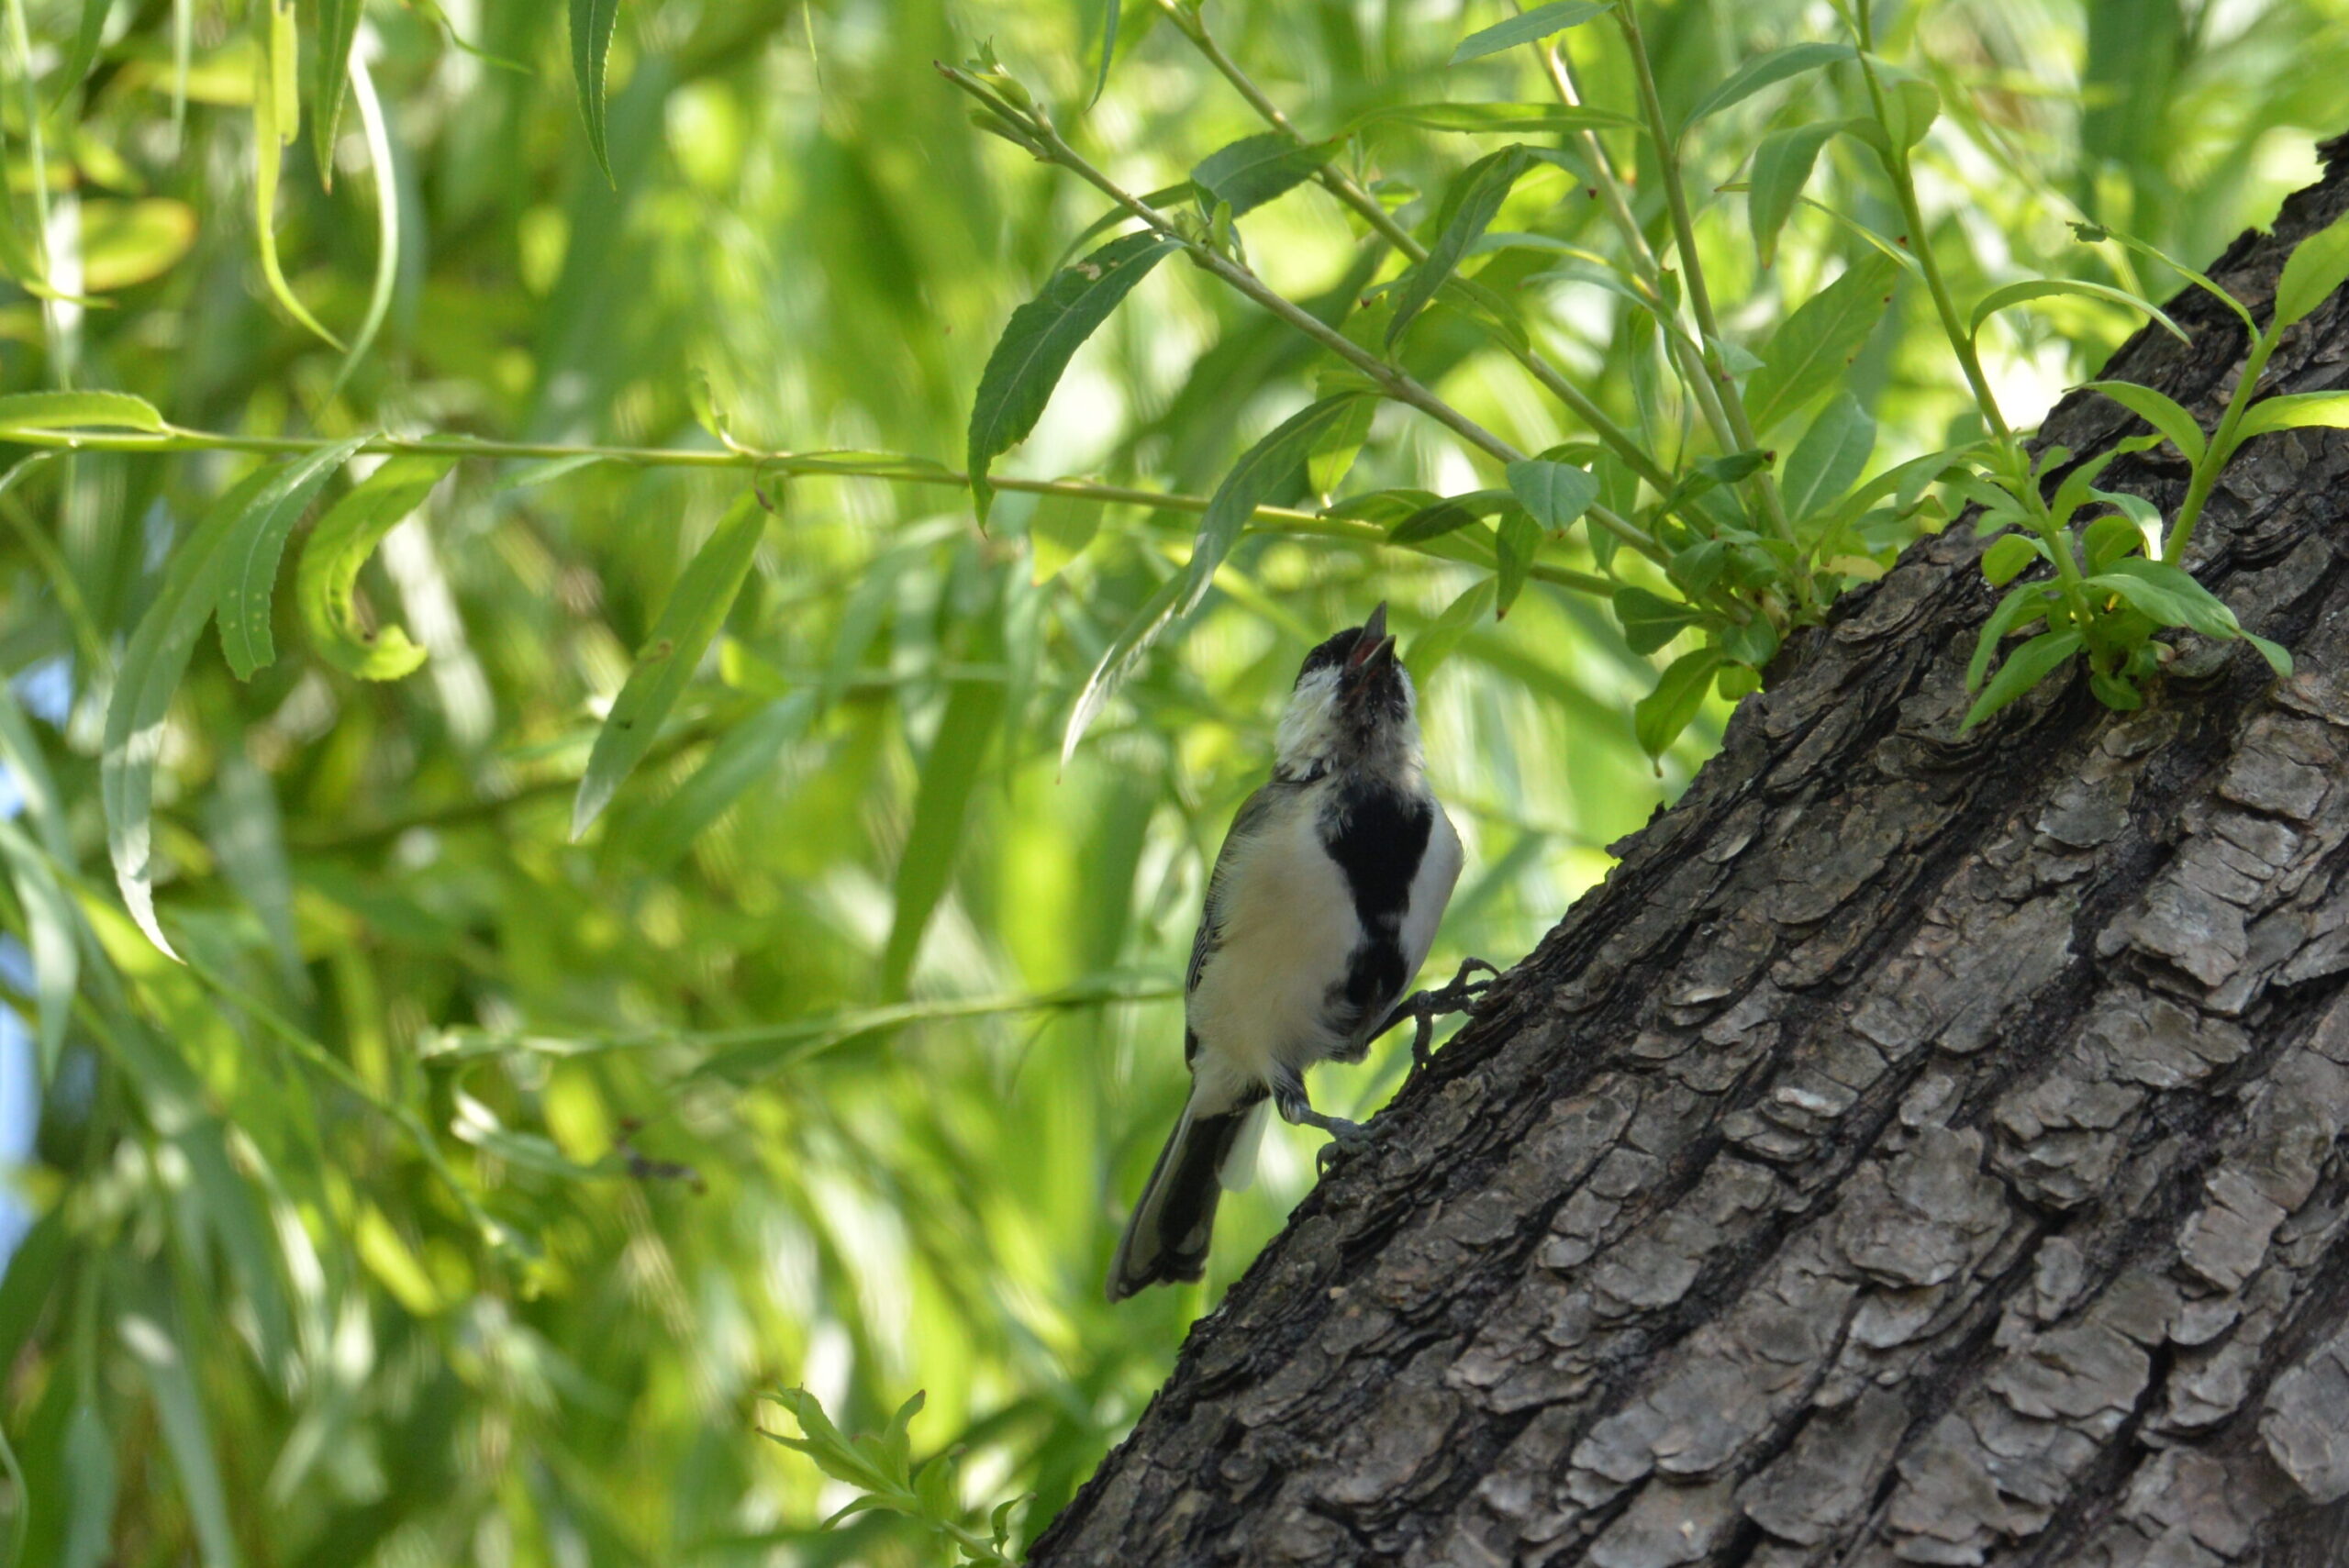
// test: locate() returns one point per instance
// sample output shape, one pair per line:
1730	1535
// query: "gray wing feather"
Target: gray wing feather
1254	813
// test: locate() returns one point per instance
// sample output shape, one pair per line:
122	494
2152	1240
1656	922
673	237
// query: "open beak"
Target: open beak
1374	648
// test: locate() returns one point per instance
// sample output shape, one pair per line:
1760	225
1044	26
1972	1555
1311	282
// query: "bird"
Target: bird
1321	906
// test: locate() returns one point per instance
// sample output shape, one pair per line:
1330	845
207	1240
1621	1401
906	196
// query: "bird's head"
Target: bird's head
1352	706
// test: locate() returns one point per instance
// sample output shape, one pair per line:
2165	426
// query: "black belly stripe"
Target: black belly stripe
1379	838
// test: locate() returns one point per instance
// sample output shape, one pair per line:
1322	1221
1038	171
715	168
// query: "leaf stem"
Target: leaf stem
2221	449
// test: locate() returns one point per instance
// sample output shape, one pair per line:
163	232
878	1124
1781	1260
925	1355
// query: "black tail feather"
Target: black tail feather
1166	1239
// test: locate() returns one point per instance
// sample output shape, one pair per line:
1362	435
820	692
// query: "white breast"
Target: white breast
1288	929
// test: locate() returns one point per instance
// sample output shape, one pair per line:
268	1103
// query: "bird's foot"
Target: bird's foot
1297	1110
1424	1007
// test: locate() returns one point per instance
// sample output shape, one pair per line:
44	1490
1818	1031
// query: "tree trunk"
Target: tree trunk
1923	1150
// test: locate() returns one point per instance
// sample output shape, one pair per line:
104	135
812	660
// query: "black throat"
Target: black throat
1377	835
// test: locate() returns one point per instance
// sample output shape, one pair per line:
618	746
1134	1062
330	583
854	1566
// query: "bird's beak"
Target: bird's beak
1373	644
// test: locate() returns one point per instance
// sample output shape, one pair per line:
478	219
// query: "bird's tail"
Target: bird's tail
1166	1239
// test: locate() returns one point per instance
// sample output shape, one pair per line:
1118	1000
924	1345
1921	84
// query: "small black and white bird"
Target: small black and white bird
1320	909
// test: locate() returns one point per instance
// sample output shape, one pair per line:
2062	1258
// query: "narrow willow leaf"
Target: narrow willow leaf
2168	594
696	609
1441	636
1529	27
328	580
1442	517
591	42
1109	48
1338	445
179	1412
1518	537
1782	166
2295	411
2316	266
1829	459
1817	342
1122	658
2279	659
149	672
2021	607
1555	492
1649	620
50	413
88	36
747	752
248	580
49	927
1270	461
1482	189
1038	343
1253	170
28	774
1658	718
950	775
276	120
2024	668
382	165
1480	118
2160	411
334	25
2044	288
1765	71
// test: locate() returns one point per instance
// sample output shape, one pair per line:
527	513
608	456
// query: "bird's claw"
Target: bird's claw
1427	1007
1345	1137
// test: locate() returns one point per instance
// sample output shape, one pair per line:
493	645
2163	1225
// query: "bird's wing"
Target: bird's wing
1255	814
1431	886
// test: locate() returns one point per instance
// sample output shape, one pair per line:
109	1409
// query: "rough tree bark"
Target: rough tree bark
1923	1150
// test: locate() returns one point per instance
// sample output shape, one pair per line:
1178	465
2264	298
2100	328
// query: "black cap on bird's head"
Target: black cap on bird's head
1351	693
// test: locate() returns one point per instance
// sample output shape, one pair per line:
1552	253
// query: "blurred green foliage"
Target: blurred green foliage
457	1199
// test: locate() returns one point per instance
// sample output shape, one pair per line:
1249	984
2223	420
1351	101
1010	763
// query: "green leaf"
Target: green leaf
2021	606
2160	411
2142	518
326	583
1059	531
1038	343
1528	26
1253	170
1999	299
148	672
1519	537
666	664
2110	538
2009	556
2316	266
276	117
50	928
2168	594
1437	640
50	413
746	753
1109	9
591	40
1555	492
1829	459
2279	660
87	35
2024	668
1765	71
1270	461
1658	718
1336	448
1782	166
1753	644
249	583
1451	512
1122	658
1481	119
179	1412
950	775
1649	620
334	23
2294	411
1482	189
1817	342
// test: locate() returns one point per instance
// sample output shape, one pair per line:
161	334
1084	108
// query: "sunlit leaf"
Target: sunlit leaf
666	664
2163	412
333	25
1519	538
327	585
1440	517
950	773
2316	267
2009	556
1555	492
1038	343
1831	456
256	540
591	42
1478	197
27	413
1816	344
1999	299
1782	166
1254	169
1658	718
1441	636
1529	27
2295	411
1478	118
1765	71
276	113
51	927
